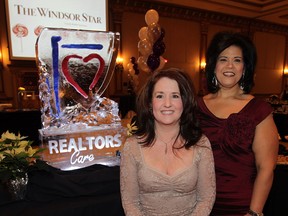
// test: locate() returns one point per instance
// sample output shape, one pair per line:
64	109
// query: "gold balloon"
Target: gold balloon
145	47
151	16
143	33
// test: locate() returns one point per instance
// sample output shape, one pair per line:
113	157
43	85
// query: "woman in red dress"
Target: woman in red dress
239	126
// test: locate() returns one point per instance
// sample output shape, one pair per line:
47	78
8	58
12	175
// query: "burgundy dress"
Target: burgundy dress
231	140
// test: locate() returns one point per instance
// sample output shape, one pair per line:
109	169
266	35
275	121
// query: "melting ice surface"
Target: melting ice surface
75	68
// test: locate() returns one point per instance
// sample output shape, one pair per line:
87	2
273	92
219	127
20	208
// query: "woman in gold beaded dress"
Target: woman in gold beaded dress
167	167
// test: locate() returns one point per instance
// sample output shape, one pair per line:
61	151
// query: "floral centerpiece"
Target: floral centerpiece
17	157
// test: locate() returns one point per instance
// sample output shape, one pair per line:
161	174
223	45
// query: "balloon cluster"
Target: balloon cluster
133	72
151	45
133	66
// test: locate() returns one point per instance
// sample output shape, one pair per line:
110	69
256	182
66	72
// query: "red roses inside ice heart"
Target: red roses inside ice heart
70	78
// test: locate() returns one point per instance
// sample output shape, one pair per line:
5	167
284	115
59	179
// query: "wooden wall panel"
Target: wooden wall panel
271	56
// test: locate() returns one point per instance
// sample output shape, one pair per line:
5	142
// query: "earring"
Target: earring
214	81
242	81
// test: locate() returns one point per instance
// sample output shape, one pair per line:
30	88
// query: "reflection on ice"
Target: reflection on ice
79	126
74	71
103	114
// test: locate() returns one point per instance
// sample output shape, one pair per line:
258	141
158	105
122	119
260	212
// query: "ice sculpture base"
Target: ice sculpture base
78	149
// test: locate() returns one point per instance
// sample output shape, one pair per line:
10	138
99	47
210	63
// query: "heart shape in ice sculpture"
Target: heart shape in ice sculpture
70	79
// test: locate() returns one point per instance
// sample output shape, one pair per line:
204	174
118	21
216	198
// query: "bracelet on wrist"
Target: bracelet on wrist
253	213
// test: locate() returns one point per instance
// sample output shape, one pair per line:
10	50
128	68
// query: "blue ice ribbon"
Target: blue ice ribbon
83	46
55	61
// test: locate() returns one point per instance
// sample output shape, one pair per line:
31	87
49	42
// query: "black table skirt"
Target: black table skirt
93	190
277	202
105	205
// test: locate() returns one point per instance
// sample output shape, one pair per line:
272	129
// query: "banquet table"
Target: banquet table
95	191
92	190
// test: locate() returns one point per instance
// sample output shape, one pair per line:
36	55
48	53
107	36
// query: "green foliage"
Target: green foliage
18	157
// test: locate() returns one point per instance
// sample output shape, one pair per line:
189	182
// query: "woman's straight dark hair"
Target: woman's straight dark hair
189	125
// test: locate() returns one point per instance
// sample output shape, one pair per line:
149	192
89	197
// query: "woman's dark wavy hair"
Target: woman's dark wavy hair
220	42
189	125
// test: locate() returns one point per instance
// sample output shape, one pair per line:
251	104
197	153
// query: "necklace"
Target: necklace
166	143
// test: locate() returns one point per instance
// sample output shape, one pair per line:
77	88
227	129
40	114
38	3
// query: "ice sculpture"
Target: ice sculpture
80	127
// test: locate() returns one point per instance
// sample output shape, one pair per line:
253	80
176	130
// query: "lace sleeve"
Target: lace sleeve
128	180
206	186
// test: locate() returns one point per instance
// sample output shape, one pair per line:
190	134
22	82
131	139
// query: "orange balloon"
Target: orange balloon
151	16
143	33
154	32
145	47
